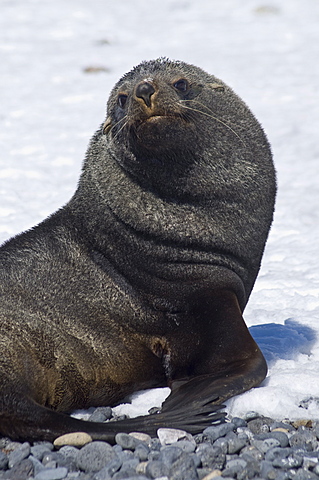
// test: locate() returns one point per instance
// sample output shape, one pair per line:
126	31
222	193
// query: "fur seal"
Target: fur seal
141	279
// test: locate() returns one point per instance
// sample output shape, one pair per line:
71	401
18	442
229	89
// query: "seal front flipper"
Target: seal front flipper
231	362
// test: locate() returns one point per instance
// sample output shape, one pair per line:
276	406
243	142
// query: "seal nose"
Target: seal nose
145	90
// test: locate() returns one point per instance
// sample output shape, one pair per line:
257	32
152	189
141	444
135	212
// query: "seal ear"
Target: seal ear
107	126
216	86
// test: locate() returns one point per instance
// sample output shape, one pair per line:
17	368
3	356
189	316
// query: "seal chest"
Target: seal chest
142	278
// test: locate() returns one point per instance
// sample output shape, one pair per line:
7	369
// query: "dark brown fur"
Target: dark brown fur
141	279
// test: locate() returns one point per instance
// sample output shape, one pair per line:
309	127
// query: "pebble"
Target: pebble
218	431
142	451
4	461
52	474
183	469
170	435
185	445
19	454
156	469
37	465
143	437
20	471
101	414
38	450
94	456
169	455
212	474
249	448
213	457
77	439
126	441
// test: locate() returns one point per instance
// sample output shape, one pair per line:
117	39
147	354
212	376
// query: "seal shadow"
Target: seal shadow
283	341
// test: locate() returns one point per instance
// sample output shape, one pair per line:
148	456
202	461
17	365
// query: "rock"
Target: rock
213	474
252	469
309	462
37	465
280	436
221	443
20	471
265	445
183	469
156	469
155	444
94	456
39	450
267	470
19	454
277	452
236	443
196	459
142	437
68	451
77	439
126	441
141	452
169	455
213	458
252	451
239	422
3	461
305	475
251	416
109	470
260	425
141	468
126	474
218	431
282	425
185	445
304	439
51	457
287	463
126	455
52	474
101	414
130	464
302	423
280	429
234	467
168	436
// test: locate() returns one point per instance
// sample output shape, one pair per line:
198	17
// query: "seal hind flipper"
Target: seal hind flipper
30	421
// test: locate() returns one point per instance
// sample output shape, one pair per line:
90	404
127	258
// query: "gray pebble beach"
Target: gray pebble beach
252	448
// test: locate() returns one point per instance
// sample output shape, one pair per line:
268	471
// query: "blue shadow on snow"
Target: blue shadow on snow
283	341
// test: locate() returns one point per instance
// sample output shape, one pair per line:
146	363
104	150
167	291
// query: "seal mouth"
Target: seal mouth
164	118
157	117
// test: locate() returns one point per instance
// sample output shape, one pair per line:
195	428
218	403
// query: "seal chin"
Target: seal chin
163	131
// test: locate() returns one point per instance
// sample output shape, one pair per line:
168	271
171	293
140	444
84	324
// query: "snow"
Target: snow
267	50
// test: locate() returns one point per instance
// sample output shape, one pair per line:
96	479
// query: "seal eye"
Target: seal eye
121	100
181	85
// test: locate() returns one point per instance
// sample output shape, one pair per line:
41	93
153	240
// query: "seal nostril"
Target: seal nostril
145	90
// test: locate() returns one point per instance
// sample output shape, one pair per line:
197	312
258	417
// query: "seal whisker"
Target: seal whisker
122	127
213	117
